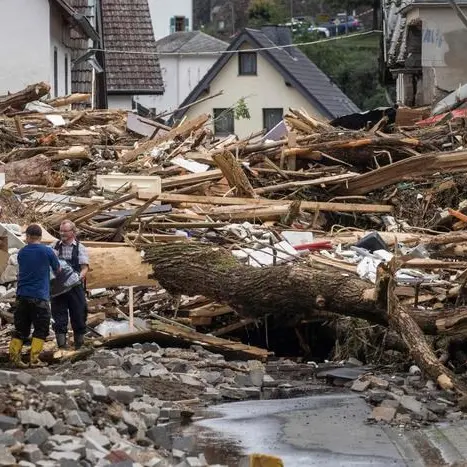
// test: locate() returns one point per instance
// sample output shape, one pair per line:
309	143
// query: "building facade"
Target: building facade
169	16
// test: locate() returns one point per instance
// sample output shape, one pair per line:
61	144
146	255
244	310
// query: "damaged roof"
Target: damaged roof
127	27
294	66
190	42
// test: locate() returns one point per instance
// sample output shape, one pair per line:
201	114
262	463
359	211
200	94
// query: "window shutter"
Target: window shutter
172	25
187	24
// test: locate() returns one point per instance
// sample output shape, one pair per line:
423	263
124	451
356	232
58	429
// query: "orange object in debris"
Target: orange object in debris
263	460
457	215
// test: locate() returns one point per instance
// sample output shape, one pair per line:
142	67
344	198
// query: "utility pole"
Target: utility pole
233	17
291	10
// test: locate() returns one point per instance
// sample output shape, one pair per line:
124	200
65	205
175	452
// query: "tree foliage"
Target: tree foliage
352	64
263	12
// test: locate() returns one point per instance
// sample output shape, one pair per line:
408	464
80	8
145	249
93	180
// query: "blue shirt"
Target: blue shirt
35	261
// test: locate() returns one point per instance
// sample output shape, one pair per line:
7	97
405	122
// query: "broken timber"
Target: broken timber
305	205
167	334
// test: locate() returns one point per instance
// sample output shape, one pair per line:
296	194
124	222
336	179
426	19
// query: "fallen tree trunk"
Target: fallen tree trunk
406	327
115	267
291	293
33	171
19	99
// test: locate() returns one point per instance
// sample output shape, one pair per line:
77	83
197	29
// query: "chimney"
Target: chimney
280	35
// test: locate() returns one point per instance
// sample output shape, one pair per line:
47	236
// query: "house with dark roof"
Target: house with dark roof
133	74
185	58
36	38
262	70
424	49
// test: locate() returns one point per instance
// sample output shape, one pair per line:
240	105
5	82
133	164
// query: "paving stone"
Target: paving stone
411	404
6	458
232	393
190	381
360	385
211	377
8	377
269	381
178	454
185	443
436	407
55	386
35	419
390	403
7	440
98	391
24	378
64	455
161	435
32	453
170	413
211	394
73	418
194	462
36	436
59	428
454	416
131	421
96	438
75	384
243	380
256	377
375	396
7	423
252	393
385	414
378	383
124	394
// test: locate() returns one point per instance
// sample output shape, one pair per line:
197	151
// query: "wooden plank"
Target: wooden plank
434	264
166	334
211	310
305	205
190	179
233	327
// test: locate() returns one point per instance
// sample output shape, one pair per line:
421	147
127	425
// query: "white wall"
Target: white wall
444	42
181	74
59	36
163	10
25	39
265	90
121	102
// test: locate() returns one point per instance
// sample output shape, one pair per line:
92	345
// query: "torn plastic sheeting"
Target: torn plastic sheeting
113	328
191	166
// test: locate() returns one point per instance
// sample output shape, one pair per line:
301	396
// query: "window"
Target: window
224	122
271	117
66	74
179	24
247	63
55	72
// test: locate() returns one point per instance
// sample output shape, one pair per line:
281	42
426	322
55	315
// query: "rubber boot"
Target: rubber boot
16	345
36	348
61	341
79	341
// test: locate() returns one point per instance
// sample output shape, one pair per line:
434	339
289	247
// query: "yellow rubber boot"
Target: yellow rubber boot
16	345
36	348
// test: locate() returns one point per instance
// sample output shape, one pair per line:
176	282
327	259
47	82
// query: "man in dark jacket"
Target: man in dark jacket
72	304
32	296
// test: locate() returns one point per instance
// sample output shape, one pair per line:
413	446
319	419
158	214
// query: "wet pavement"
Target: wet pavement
323	430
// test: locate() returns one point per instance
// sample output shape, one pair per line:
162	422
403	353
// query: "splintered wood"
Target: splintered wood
288	203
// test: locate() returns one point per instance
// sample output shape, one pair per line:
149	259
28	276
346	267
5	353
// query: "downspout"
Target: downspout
178	80
100	78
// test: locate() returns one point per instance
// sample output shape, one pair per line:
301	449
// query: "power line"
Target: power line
232	52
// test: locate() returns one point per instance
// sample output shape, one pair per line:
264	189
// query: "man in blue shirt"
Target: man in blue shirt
33	296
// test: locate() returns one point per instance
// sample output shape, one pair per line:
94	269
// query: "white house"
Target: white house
269	81
35	38
185	59
169	16
425	43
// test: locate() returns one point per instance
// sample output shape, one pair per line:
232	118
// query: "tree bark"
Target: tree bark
291	292
33	171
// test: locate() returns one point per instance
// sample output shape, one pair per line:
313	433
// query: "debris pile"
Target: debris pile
194	238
